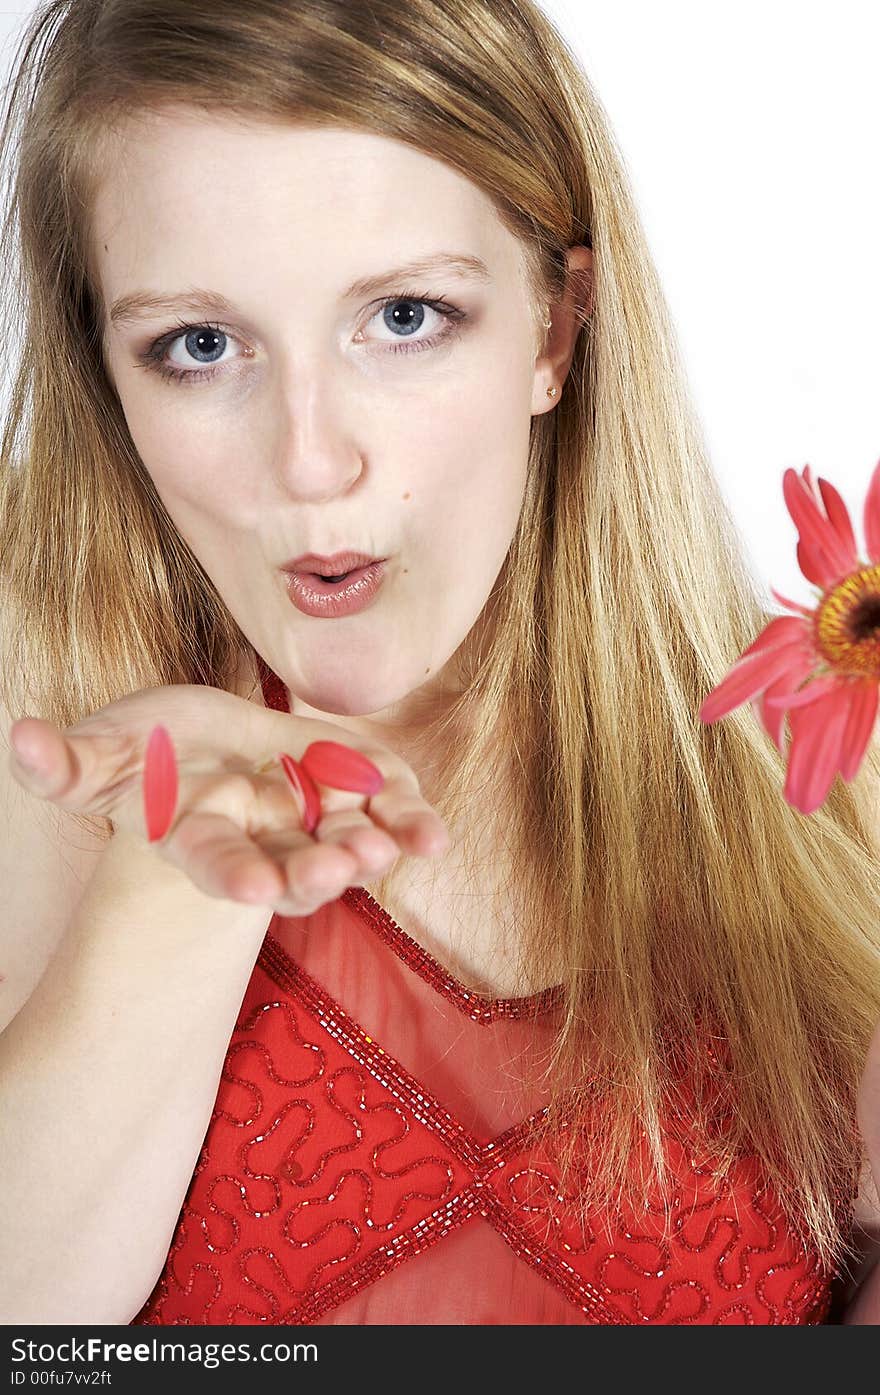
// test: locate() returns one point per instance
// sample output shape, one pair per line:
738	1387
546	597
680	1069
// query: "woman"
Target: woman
599	1061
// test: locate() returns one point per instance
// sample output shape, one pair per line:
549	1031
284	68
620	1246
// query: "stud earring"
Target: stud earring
552	391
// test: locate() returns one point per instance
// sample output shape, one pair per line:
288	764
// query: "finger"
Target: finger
72	770
220	858
317	874
34	750
401	811
354	830
225	862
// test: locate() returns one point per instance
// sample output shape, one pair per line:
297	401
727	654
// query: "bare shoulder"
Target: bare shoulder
47	858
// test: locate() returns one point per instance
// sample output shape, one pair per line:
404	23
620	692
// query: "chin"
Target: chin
348	704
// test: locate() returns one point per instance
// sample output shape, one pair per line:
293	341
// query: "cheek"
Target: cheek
467	497
190	465
470	476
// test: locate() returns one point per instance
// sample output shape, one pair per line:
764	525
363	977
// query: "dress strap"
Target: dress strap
275	694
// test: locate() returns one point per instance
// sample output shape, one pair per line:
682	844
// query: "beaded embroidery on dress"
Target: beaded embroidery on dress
370	1160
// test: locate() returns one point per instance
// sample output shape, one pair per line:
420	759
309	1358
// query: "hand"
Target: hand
237	831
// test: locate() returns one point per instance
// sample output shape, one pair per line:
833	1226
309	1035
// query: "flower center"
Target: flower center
848	624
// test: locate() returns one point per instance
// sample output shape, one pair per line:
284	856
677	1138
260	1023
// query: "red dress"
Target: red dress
368	1161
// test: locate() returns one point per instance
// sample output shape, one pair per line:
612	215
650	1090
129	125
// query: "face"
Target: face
309	417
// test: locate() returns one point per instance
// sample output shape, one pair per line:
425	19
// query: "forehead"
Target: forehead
203	199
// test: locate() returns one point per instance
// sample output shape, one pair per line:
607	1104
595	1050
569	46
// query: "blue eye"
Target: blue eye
200	338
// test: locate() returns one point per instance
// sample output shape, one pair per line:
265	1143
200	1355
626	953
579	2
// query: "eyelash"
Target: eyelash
152	359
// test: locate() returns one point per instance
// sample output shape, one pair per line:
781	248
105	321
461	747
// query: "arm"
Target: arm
863	1306
108	1075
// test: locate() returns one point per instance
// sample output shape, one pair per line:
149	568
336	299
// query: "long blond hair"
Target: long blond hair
685	901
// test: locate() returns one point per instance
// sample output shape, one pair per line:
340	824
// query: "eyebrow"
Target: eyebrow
143	303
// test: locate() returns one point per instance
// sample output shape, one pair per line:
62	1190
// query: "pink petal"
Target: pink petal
342	767
307	797
871	516
313	799
838	514
291	771
862	715
159	784
746	678
813	526
813	565
813	487
785	629
815	690
773	718
816	736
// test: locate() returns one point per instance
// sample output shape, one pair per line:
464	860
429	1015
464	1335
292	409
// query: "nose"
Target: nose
315	453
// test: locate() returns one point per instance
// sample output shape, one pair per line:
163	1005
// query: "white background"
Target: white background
751	135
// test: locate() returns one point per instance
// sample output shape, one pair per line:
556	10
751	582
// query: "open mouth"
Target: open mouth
326	594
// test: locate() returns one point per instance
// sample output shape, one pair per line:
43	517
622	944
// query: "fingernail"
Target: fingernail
331	763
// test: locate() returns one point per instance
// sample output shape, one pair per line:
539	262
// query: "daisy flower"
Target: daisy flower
833	648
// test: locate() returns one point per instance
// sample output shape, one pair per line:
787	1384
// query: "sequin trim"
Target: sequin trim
476	1006
459	1179
385	1068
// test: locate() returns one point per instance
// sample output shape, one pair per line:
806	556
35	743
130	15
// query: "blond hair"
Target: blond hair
686	902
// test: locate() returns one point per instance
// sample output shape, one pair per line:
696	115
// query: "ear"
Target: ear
567	316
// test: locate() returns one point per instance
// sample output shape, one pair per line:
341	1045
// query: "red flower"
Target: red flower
835	647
